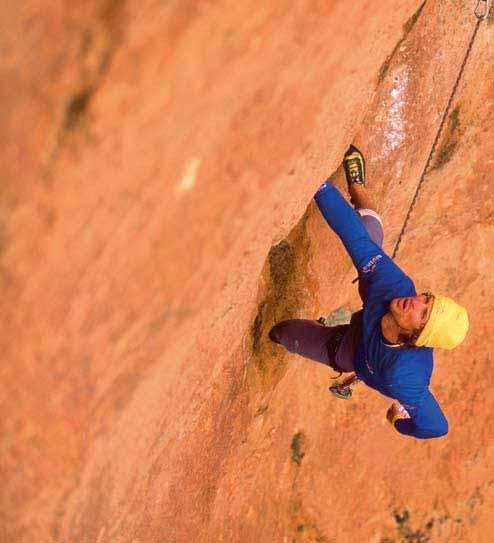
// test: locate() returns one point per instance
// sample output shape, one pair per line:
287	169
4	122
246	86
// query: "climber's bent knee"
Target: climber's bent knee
304	337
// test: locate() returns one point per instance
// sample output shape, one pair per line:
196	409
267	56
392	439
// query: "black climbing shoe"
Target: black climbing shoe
273	337
345	393
354	165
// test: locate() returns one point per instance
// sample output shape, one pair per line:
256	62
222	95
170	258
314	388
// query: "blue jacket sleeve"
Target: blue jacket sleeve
427	420
382	276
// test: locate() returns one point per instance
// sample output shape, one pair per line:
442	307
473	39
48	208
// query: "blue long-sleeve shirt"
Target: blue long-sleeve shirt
398	372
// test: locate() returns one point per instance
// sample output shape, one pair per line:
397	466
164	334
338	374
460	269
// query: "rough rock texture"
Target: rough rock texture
158	164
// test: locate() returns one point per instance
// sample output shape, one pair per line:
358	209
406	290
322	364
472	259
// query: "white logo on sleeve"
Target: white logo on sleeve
371	265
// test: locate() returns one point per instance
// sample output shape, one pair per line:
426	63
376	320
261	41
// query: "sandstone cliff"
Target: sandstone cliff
158	164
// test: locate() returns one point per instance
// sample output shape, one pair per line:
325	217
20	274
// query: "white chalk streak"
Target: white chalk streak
395	123
190	176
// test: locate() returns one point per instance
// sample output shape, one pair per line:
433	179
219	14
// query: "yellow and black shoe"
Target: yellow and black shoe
354	165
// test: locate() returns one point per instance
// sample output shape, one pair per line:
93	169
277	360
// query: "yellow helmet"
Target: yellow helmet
447	325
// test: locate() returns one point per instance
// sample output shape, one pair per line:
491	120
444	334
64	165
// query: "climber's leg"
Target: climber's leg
309	339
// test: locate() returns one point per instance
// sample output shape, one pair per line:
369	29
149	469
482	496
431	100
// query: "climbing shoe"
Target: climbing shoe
345	393
354	165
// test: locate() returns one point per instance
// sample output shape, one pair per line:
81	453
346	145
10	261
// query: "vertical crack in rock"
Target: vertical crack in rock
288	290
303	528
76	108
449	140
296	446
407	28
257	327
99	42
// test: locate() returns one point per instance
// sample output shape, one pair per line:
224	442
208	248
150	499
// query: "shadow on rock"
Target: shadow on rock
284	293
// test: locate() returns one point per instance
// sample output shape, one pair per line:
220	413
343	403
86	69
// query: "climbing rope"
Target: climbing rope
482	10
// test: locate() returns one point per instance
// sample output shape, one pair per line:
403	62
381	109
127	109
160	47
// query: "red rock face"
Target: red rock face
158	165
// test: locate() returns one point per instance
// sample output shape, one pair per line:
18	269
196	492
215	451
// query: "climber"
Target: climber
389	343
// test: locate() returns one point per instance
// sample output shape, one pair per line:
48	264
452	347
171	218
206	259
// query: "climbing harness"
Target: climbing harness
482	11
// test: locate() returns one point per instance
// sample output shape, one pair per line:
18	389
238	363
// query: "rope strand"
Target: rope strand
446	111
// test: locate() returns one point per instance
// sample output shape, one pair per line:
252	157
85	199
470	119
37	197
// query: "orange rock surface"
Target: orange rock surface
158	164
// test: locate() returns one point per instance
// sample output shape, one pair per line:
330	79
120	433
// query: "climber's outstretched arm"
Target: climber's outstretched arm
345	222
382	276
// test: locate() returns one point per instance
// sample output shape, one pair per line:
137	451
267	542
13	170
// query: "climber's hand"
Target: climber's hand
395	412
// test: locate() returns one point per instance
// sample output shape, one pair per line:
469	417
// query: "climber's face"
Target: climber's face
412	312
